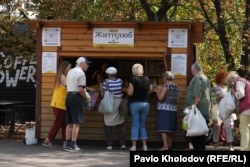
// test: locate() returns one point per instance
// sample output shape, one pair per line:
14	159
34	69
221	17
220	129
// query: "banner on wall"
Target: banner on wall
113	37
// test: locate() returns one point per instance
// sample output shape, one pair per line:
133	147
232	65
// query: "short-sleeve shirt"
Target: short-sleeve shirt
75	78
199	87
141	86
114	86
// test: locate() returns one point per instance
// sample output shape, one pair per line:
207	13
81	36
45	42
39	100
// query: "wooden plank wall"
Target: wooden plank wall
76	40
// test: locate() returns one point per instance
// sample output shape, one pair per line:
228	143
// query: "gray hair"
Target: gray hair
168	75
232	74
197	67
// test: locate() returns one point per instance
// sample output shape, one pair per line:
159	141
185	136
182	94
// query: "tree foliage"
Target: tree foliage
226	35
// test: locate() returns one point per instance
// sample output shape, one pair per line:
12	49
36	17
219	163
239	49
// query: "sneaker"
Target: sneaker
69	149
123	147
109	148
133	148
231	148
145	148
77	148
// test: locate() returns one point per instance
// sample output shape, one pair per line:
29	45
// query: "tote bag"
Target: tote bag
107	102
197	125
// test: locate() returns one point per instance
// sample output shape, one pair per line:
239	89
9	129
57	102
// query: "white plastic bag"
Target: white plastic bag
197	125
30	134
227	105
107	103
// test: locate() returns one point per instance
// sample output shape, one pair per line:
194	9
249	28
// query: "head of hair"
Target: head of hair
168	75
61	70
197	67
137	69
232	74
220	76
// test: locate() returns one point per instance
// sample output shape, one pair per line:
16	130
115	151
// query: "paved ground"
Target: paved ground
14	153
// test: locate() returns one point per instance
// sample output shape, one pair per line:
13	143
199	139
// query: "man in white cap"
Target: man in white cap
76	94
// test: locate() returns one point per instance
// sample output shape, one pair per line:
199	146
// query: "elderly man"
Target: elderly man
241	91
76	94
198	93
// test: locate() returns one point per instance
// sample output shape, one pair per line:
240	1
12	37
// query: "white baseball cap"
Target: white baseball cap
111	70
82	60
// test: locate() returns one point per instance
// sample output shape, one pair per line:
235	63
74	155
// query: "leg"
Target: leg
57	124
68	134
142	125
169	140
244	132
216	135
198	143
108	133
229	132
134	111
165	142
121	133
74	135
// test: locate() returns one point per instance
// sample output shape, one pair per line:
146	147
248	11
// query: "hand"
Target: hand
86	100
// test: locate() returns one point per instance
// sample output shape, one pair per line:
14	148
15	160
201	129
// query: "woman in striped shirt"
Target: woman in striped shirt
114	85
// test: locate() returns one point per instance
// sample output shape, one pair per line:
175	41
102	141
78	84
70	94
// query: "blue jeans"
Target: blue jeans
139	113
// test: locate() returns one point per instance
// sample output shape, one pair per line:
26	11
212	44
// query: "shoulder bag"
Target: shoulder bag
106	104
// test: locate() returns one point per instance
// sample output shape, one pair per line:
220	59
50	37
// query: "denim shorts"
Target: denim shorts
74	108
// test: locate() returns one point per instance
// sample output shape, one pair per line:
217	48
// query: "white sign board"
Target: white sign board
113	37
51	36
177	38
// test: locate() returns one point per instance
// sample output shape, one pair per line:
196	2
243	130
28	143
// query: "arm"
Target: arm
130	89
161	92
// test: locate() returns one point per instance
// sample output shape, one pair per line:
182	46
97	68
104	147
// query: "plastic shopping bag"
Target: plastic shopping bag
107	103
227	106
30	133
197	125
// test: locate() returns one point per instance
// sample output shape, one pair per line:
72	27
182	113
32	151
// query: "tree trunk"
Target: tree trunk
245	57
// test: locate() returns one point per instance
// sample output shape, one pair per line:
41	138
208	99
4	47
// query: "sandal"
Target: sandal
48	145
164	148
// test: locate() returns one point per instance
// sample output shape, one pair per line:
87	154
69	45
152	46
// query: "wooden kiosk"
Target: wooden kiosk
124	43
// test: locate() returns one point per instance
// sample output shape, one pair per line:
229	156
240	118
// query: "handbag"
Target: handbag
124	107
227	105
197	125
107	103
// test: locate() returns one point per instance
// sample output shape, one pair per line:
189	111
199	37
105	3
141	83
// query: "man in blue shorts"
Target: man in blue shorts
76	95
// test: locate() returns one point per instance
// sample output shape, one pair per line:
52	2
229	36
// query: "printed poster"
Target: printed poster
49	62
51	36
177	38
179	64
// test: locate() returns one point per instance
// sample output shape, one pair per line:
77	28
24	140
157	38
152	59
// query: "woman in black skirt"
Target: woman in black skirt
166	117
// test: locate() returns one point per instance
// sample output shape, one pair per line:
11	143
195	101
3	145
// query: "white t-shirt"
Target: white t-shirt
75	78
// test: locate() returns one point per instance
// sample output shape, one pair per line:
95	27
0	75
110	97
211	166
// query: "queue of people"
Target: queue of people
73	91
